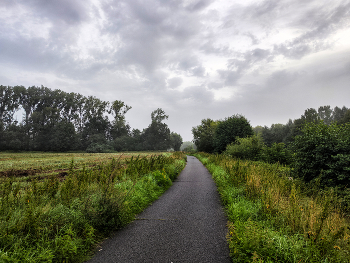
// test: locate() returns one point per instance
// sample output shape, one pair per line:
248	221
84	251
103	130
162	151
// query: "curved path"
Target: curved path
186	224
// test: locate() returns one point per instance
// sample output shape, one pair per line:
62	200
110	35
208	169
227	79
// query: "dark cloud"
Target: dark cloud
66	11
199	5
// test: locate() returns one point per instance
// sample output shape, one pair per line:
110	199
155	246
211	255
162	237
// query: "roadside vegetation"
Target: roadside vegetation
275	218
285	188
61	219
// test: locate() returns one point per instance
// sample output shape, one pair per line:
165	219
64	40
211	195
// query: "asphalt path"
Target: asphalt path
186	224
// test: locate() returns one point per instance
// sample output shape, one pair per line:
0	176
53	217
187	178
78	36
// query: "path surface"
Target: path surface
186	224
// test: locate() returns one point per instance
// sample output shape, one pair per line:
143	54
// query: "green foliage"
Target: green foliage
249	148
203	135
229	129
323	151
176	141
253	148
99	148
277	153
157	135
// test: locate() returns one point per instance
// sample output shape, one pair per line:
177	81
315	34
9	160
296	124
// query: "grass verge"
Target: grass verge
272	220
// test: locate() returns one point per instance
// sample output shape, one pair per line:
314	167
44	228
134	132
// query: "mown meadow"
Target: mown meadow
57	207
276	218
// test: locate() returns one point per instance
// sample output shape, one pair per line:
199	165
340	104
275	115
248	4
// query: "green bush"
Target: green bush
99	148
253	148
249	148
323	151
277	153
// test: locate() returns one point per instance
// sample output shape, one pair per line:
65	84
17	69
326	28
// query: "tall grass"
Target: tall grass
60	220
272	219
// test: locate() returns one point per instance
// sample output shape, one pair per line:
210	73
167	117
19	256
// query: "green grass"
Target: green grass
272	219
58	219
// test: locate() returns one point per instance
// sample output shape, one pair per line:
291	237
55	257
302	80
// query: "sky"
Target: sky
196	59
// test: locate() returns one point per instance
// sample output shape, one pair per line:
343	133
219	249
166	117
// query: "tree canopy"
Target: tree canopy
55	120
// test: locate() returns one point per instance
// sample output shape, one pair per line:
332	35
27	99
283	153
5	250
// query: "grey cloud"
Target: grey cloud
281	79
197	94
199	5
210	47
67	11
215	85
174	82
248	59
253	38
230	77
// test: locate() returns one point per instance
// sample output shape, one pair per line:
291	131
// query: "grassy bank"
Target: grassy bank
60	219
271	216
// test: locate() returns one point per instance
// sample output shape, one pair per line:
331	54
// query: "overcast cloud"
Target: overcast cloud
196	59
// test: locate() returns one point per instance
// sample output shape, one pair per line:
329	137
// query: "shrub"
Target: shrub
249	148
323	151
277	153
99	148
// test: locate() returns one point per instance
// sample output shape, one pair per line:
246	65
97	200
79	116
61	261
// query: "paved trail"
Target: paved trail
186	224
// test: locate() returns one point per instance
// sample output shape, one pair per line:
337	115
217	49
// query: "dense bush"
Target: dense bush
277	153
253	148
249	148
323	152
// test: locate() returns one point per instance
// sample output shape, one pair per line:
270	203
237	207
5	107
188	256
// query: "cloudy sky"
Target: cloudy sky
195	59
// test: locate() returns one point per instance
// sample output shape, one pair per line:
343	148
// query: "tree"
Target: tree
157	135
338	113
203	135
158	115
176	141
228	130
325	114
119	127
95	121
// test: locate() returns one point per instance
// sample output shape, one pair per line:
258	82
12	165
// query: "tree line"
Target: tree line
316	146
55	120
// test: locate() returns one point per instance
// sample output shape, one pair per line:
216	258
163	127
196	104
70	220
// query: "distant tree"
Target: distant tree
338	113
158	115
95	120
188	144
157	135
229	129
325	114
119	126
176	141
203	135
346	118
9	103
258	129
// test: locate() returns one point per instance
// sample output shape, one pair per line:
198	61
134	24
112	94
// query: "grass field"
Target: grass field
29	163
55	207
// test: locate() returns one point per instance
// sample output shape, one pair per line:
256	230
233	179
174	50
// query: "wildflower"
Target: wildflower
336	247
